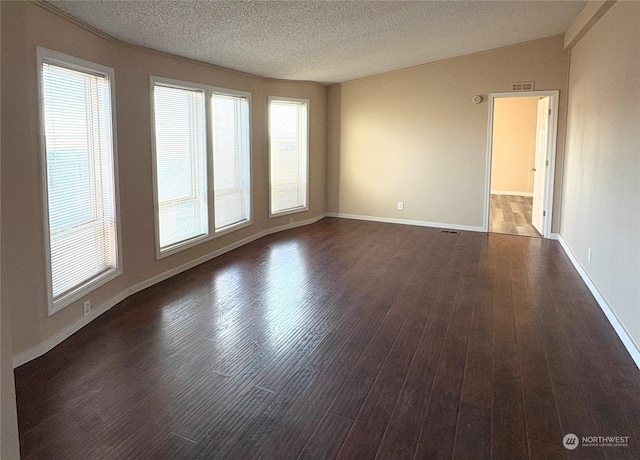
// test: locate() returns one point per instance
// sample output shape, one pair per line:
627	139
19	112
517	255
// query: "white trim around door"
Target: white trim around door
551	154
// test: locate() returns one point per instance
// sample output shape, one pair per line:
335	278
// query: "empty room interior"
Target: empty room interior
320	230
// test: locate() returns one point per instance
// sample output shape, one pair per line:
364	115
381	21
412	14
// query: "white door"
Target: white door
539	169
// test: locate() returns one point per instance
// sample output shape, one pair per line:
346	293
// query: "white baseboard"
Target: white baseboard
420	223
44	347
627	341
511	192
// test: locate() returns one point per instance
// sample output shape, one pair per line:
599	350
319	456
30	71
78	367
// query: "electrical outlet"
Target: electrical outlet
87	307
589	255
290	220
400	205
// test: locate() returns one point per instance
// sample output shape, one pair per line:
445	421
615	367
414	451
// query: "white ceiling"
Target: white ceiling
325	41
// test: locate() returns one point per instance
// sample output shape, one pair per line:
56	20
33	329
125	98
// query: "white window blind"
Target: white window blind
288	131
79	177
230	125
202	150
181	164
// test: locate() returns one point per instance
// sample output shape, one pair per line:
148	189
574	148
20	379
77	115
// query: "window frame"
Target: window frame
305	207
211	232
160	252
248	173
80	65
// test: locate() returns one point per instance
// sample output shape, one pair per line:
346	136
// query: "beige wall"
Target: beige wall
590	14
26	25
415	136
601	192
514	145
9	446
334	109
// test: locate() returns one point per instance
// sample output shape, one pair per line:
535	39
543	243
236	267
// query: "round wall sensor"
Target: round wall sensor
476	99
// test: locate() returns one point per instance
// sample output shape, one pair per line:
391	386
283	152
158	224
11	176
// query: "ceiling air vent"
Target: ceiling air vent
522	86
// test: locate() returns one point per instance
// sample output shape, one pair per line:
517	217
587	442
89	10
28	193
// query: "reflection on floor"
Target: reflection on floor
342	339
512	215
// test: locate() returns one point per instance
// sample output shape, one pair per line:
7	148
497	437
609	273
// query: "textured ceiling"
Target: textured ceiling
325	41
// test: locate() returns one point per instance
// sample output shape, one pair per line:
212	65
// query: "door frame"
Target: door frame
551	154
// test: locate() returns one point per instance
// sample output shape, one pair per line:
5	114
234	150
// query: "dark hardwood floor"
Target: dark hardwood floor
511	214
343	339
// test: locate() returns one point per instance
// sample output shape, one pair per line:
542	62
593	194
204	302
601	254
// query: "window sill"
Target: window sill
161	254
288	211
82	290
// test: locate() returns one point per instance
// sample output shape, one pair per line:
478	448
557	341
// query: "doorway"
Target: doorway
520	163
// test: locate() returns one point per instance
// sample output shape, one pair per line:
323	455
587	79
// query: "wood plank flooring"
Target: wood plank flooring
511	215
343	339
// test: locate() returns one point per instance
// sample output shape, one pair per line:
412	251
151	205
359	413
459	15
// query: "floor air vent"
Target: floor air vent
448	231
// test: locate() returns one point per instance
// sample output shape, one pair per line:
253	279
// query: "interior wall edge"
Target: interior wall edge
602	167
43	347
9	436
632	347
334	135
590	14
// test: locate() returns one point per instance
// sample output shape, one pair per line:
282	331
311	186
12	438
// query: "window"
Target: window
190	121
288	155
79	176
181	164
230	124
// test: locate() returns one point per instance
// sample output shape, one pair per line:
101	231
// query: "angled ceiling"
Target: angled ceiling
324	41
